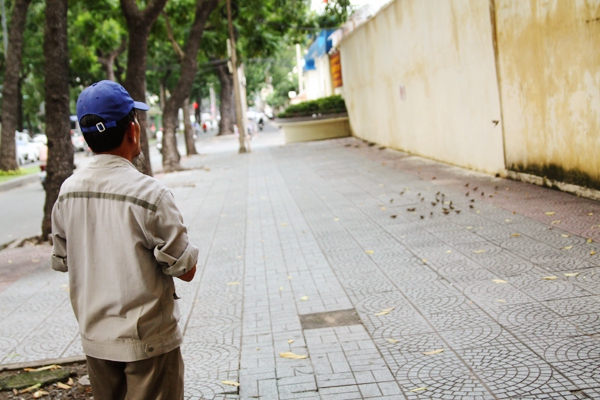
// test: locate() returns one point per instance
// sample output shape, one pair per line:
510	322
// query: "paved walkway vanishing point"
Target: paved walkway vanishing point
436	282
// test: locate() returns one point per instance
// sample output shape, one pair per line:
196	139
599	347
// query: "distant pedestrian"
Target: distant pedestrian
121	237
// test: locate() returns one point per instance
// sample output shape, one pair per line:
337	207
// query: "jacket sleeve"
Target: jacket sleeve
173	250
59	242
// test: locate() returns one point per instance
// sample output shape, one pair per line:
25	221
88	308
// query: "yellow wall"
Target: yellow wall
442	52
549	57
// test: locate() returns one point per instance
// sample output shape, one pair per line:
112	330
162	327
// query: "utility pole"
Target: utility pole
236	84
299	68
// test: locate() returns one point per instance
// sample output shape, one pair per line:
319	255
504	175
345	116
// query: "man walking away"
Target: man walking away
121	237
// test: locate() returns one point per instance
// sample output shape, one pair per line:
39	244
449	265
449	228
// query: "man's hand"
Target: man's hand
188	276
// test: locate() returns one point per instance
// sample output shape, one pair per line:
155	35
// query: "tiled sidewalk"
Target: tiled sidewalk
489	290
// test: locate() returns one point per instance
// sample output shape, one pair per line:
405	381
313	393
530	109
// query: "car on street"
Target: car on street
78	141
27	149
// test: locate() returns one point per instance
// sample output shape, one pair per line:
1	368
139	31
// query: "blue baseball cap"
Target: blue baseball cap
107	100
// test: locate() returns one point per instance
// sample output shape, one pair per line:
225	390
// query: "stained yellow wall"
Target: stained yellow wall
442	53
549	58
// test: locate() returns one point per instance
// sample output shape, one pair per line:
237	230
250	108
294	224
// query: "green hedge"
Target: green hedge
325	105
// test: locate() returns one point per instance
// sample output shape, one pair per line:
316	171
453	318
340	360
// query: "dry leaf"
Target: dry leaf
419	389
52	367
384	312
230	383
40	393
289	277
424	261
502	300
469	227
507	220
392	341
336	219
565	235
233	283
290	341
63	386
549	212
592	253
549	278
571	274
304	298
70	382
590	214
383	208
284	224
590	240
516	234
430	353
567	248
499	280
369	252
478	251
289	354
280	288
448	251
555	222
30	388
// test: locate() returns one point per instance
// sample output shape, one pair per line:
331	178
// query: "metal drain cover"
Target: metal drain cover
330	319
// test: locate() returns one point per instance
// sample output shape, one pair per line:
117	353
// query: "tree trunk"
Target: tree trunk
108	60
138	25
226	107
56	71
10	89
20	105
190	143
183	88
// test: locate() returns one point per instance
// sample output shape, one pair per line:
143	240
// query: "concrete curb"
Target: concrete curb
16	182
42	363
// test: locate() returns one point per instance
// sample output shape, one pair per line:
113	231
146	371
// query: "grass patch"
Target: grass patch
8	175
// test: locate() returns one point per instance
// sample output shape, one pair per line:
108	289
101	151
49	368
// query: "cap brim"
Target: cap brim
138	105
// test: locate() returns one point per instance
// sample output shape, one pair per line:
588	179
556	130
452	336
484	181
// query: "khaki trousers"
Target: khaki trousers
156	378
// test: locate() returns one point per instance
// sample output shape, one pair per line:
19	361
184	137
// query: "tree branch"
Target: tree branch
178	51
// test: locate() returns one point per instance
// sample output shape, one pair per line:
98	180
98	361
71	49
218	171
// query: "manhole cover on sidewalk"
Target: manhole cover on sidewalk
330	319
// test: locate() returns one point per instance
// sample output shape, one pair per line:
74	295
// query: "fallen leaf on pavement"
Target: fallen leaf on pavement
30	388
46	368
230	383
304	298
289	277
555	222
590	214
515	234
499	280
430	353
284	224
478	251
40	393
448	251
502	300
293	356
384	312
592	253
565	235
419	389
336	219
549	212
590	240
571	274
280	288
63	386
369	252
549	278
392	341
424	261
507	220
383	209
567	248
70	382
290	341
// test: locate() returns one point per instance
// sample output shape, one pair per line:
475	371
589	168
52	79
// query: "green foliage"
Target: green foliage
325	105
335	14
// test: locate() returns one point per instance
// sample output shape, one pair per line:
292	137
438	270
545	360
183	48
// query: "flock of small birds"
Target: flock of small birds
447	206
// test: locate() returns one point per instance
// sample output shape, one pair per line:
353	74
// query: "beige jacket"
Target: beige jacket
122	239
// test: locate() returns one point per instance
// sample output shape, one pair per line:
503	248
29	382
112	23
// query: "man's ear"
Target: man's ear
131	134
